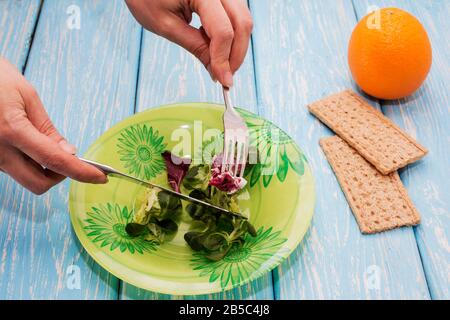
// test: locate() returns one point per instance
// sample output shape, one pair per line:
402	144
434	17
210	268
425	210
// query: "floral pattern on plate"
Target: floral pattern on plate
140	149
106	225
242	262
276	151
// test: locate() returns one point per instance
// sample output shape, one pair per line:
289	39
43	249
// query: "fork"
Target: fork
236	137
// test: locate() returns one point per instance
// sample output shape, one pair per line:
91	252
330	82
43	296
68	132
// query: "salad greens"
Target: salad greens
156	217
211	231
215	232
198	177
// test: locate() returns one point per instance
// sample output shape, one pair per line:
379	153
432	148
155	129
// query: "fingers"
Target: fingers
219	29
28	173
47	152
37	137
241	20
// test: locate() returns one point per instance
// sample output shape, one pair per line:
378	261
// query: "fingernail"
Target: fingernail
67	147
103	180
228	79
100	179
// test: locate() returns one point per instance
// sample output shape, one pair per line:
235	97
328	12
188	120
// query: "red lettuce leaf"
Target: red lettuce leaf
176	169
225	181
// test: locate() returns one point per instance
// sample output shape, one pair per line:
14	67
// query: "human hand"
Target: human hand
31	150
220	44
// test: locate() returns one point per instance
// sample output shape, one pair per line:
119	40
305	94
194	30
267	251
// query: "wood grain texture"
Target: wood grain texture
168	74
17	22
425	115
86	79
300	57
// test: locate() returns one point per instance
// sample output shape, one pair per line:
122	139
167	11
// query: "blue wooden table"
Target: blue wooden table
109	68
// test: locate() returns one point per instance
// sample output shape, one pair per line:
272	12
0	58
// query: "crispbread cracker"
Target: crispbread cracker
367	130
379	202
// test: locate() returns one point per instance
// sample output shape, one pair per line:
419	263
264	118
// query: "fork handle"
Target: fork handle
226	97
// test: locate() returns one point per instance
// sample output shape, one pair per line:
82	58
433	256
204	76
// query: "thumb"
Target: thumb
38	138
38	116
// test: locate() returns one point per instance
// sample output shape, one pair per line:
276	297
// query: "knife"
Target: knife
110	171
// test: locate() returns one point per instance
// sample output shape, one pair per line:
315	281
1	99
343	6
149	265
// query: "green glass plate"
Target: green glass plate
279	201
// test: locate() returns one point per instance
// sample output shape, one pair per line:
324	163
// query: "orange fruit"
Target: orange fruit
389	54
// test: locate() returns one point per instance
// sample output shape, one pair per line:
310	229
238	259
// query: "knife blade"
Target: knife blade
110	171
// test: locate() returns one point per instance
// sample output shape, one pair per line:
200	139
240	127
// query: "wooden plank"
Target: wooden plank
168	74
17	22
86	79
426	116
300	56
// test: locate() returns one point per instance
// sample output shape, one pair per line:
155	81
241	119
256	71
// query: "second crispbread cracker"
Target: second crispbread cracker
379	202
367	130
